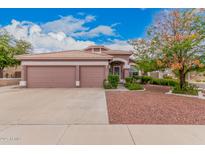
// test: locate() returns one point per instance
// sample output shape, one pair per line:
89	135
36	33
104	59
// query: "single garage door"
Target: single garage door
51	76
92	76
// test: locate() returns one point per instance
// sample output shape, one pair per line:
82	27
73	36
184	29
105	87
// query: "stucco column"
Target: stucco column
77	75
106	71
23	82
126	72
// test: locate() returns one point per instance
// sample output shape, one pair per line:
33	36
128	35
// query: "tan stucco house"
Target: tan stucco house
76	68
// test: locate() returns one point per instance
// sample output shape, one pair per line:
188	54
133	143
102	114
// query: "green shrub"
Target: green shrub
188	90
164	82
145	79
172	82
137	77
113	80
129	80
133	86
198	80
155	81
107	85
167	77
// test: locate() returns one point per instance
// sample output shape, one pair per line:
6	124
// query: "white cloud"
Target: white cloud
67	24
96	32
62	34
119	45
44	42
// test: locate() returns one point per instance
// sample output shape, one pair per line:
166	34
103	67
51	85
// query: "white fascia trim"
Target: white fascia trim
63	63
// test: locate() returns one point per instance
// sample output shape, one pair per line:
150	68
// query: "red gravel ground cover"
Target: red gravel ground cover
153	107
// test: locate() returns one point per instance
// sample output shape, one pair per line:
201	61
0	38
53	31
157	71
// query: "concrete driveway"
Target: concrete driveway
77	116
52	106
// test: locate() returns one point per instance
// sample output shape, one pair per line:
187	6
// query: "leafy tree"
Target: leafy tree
178	41
145	58
9	48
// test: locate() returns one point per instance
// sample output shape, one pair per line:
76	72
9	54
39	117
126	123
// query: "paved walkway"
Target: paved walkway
102	134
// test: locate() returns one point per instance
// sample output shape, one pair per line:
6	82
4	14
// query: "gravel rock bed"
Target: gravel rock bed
154	107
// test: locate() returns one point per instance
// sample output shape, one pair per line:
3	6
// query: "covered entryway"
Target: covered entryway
51	76
117	68
92	76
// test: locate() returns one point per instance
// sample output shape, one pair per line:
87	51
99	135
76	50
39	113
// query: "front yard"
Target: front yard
154	107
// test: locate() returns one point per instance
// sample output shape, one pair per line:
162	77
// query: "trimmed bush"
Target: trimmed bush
113	80
135	86
130	83
187	90
164	82
128	80
107	85
145	79
156	81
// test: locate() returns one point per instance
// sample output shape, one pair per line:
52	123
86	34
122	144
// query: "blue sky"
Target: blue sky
77	27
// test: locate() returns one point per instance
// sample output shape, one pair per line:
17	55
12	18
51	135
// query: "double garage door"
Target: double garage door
64	76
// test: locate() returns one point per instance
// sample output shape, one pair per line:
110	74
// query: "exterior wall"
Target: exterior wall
102	65
125	57
8	82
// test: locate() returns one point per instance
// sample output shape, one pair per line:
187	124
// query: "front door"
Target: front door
117	70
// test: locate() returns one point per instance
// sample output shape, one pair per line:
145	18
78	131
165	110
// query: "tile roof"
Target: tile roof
73	54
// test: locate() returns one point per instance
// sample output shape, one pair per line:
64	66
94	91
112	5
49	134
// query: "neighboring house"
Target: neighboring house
12	72
76	68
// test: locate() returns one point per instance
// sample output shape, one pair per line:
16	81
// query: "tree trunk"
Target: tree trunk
182	79
1	73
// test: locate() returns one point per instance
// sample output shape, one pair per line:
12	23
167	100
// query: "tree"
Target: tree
9	48
178	41
144	56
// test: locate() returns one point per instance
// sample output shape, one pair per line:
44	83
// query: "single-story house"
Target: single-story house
75	68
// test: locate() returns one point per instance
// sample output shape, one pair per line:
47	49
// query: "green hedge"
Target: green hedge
145	79
188	90
133	86
130	83
164	82
129	80
156	81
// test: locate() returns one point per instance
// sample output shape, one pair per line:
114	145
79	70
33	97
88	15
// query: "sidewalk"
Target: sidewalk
102	134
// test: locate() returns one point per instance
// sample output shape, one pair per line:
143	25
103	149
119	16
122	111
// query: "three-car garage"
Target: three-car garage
64	70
